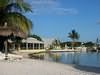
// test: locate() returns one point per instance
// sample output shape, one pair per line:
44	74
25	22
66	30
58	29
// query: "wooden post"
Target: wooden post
6	50
33	46
26	46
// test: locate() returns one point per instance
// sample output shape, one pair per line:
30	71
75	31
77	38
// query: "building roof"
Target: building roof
6	31
31	40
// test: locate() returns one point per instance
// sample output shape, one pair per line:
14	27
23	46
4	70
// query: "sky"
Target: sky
56	18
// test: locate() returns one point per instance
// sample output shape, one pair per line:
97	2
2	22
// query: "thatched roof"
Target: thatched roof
6	31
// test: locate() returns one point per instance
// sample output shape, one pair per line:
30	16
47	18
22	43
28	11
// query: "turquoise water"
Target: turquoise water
84	59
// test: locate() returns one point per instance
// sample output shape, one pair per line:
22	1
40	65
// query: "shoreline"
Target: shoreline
39	67
43	65
44	50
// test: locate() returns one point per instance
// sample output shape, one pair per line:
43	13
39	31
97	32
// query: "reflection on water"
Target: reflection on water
86	59
52	57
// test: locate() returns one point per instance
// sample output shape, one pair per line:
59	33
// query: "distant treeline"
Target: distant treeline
69	44
78	44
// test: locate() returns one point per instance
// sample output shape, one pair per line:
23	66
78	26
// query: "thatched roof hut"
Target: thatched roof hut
6	31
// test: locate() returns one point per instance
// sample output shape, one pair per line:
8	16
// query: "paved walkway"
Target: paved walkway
38	67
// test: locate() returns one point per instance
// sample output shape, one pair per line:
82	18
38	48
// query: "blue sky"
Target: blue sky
56	18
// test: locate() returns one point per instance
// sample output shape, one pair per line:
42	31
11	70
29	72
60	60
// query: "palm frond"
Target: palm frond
3	3
23	6
11	12
73	35
18	6
18	20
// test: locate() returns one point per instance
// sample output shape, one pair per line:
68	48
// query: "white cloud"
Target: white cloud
51	7
65	11
44	3
56	11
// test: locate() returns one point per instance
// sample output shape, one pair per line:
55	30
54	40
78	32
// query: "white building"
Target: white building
32	44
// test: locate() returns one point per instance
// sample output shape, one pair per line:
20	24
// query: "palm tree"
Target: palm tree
11	15
56	43
11	12
74	36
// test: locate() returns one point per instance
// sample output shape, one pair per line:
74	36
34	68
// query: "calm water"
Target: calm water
84	59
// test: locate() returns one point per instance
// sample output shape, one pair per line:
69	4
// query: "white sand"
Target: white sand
38	67
10	56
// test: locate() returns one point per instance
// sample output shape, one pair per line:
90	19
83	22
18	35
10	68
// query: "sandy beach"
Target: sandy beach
38	67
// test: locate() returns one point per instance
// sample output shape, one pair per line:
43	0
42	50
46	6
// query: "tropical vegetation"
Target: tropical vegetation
69	44
56	44
36	37
11	15
89	44
74	36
